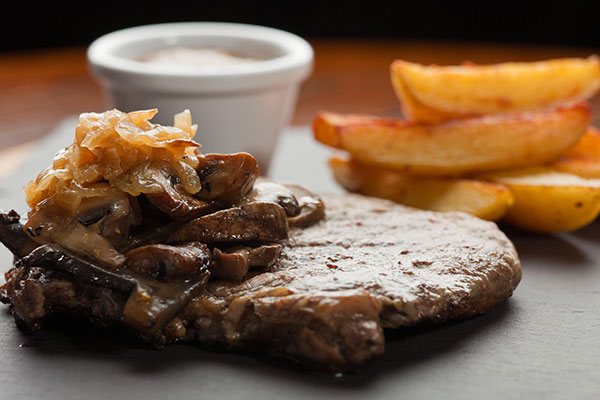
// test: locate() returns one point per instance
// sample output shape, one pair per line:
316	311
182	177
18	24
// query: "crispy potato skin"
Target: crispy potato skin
548	209
414	110
546	202
583	159
458	147
586	168
485	200
434	93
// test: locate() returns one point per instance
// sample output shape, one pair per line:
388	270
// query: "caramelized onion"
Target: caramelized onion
109	149
85	200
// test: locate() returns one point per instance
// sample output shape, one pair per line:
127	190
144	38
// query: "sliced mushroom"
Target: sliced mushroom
13	236
168	263
266	191
151	304
90	214
110	217
53	256
258	257
233	263
312	207
260	222
173	200
229	266
151	232
226	178
53	224
155	228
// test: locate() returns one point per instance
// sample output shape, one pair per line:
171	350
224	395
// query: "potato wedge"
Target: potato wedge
550	201
483	199
440	93
453	148
583	167
583	159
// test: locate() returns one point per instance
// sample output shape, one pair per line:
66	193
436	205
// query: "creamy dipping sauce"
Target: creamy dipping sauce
205	58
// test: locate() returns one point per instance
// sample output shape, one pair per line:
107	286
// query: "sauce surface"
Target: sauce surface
204	58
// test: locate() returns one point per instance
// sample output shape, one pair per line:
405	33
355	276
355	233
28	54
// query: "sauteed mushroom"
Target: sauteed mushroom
265	191
172	199
151	304
250	222
233	263
168	263
132	212
226	178
312	209
13	236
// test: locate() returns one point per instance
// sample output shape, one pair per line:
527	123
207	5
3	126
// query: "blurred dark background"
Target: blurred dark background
566	22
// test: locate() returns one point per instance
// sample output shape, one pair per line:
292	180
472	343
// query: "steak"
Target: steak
337	284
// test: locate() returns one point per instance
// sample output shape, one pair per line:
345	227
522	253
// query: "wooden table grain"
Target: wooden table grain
39	88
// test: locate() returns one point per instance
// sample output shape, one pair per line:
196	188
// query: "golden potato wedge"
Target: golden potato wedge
414	110
453	148
583	159
583	167
588	146
440	93
550	201
483	199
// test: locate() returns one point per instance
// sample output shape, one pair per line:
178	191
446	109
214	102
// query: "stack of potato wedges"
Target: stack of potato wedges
507	142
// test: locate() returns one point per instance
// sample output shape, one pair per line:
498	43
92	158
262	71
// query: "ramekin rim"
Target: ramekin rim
299	53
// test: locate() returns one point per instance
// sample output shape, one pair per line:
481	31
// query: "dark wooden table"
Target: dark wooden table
39	88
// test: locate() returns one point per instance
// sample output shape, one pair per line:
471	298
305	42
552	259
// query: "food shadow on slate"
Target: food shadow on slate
590	232
550	251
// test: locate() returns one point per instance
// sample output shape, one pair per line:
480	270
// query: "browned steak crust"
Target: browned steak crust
370	265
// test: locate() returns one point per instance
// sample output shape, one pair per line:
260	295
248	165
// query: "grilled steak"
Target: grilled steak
370	265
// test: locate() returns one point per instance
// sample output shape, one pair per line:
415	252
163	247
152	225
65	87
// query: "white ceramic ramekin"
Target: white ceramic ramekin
238	108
